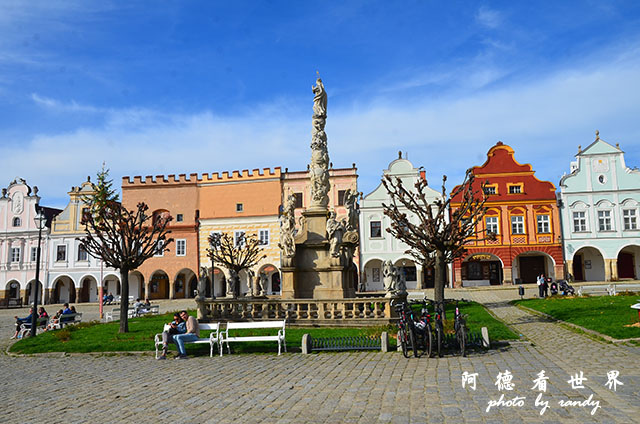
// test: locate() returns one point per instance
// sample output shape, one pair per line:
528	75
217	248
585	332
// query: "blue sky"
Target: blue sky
160	87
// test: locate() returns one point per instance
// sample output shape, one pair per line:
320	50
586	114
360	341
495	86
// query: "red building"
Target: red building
522	212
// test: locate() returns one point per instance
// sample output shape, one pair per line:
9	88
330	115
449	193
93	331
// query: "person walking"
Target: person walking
193	333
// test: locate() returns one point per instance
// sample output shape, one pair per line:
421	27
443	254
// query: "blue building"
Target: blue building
600	210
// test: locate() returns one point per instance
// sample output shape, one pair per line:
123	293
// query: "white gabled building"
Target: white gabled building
377	245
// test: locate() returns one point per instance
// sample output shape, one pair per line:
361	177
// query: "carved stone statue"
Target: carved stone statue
319	166
232	282
335	230
387	275
202	282
251	281
288	228
393	279
263	281
351	204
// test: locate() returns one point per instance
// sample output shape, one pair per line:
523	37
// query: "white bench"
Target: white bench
213	339
601	289
25	327
624	287
280	337
114	314
153	310
64	320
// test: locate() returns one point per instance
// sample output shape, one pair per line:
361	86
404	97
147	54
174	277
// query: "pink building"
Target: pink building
19	241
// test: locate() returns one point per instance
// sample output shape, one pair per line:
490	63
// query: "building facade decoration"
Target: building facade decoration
523	214
600	206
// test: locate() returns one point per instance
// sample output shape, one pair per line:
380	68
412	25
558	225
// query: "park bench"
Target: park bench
10	303
117	300
153	310
280	325
617	288
598	290
114	314
25	327
213	339
66	319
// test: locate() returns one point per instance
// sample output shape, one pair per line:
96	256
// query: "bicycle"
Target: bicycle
423	329
438	326
406	335
460	327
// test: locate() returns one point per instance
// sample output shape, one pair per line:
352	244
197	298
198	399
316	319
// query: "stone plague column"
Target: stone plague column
316	261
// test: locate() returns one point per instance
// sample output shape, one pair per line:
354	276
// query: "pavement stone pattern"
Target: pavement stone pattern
349	387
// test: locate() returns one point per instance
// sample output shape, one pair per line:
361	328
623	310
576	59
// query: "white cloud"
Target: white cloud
544	120
488	17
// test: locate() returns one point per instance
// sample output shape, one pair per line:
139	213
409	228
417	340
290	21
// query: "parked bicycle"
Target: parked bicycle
413	334
460	327
438	327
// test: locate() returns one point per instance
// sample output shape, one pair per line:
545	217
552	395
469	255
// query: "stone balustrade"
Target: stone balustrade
323	312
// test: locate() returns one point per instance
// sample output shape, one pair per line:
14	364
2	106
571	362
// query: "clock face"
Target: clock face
17	203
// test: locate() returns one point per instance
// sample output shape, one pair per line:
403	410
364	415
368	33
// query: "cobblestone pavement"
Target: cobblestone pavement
354	387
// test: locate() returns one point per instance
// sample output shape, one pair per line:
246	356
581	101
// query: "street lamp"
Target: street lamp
40	221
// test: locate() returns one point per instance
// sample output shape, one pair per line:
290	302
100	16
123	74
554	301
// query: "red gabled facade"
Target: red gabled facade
523	213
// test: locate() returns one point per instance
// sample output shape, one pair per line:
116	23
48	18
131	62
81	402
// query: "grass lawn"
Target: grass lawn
605	314
104	337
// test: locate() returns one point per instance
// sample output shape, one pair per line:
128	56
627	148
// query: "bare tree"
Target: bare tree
435	236
123	239
235	253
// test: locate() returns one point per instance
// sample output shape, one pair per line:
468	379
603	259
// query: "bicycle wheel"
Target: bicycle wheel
412	340
439	334
402	339
461	334
428	342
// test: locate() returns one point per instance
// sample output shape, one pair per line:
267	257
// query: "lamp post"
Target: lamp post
40	221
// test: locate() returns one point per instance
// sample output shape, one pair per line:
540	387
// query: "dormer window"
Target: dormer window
17	221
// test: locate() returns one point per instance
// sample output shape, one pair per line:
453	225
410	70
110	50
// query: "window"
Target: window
515	189
85	215
159	248
61	253
15	254
239	207
179	217
341	197
376	229
17	221
375	275
181	247
517	224
82	253
629	218
490	190
263	237
604	221
543	224
492	224
298	197
602	179
34	254
579	222
159	216
239	239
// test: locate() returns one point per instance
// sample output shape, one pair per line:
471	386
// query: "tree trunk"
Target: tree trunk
124	300
440	276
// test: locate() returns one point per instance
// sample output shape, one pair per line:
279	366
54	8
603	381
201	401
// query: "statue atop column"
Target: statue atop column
319	166
288	228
